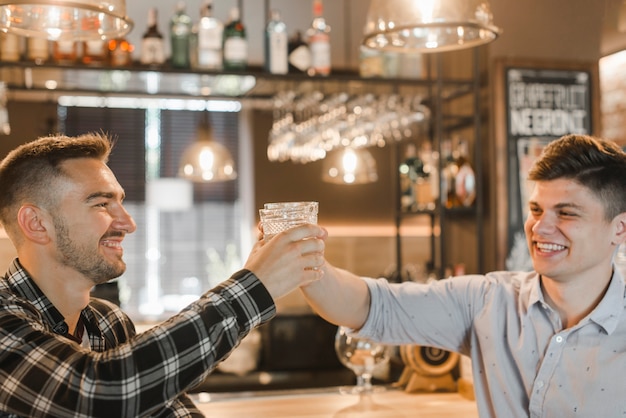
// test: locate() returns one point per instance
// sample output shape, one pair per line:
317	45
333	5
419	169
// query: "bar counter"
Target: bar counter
330	403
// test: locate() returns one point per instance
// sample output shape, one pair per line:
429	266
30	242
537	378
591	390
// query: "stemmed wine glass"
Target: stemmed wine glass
361	356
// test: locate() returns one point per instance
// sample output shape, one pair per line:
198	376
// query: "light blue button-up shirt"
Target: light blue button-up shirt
524	363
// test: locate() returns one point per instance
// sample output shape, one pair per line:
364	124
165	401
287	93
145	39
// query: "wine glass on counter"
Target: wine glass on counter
362	356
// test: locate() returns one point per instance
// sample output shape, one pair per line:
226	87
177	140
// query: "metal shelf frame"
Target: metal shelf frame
443	124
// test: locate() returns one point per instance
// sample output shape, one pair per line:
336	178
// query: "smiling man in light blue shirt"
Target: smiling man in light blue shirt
547	343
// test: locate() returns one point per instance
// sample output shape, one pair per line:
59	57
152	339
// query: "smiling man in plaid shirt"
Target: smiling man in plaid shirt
65	354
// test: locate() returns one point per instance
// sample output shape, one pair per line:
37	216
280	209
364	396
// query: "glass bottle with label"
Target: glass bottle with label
95	52
276	45
206	40
448	175
180	33
10	47
319	41
422	187
5	126
152	45
120	52
65	52
37	50
407	178
299	54
235	43
430	159
465	180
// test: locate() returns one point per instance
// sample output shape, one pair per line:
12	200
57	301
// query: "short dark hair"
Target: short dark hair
598	164
28	171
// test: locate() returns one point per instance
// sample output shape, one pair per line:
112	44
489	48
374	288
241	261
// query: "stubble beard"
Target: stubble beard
89	263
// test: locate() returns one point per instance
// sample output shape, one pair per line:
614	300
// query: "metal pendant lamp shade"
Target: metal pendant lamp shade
206	160
349	166
428	25
76	20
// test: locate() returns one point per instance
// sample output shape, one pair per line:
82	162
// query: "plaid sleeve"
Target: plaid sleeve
181	407
45	374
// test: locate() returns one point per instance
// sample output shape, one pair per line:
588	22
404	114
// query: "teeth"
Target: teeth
550	247
112	244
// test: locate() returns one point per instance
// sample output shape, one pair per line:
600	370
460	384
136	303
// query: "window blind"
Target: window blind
196	248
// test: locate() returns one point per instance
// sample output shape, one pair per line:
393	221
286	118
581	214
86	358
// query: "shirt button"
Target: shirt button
540	384
559	339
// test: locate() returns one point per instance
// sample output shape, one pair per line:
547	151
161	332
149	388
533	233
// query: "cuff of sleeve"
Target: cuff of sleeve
250	299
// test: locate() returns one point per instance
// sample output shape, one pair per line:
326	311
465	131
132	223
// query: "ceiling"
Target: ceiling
612	39
576	30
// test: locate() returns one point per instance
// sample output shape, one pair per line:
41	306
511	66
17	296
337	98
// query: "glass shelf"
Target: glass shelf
167	81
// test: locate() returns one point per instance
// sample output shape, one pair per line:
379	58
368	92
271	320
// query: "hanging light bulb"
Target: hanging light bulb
349	166
76	20
206	160
428	25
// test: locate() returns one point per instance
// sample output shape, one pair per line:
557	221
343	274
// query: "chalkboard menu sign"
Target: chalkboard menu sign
541	105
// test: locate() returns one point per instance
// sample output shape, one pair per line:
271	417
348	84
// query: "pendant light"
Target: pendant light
428	25
75	20
349	166
206	160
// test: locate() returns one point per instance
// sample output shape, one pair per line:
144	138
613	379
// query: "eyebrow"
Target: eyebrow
564	205
98	195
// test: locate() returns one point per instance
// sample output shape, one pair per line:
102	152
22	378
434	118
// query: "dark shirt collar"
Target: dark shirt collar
22	285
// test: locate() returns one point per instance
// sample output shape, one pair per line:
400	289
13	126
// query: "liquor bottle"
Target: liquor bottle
206	40
65	52
120	52
448	176
235	43
10	47
318	38
407	178
37	50
371	62
152	46
180	32
422	184
299	54
276	45
430	160
5	126
95	52
465	180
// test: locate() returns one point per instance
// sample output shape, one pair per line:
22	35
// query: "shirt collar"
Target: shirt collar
612	306
607	313
535	295
24	286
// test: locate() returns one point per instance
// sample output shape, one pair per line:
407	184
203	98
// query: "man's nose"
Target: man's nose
124	221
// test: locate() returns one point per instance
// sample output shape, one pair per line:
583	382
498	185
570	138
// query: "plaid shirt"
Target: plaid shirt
45	374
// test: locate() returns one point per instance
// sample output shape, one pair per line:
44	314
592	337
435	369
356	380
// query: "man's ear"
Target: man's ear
620	229
32	222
